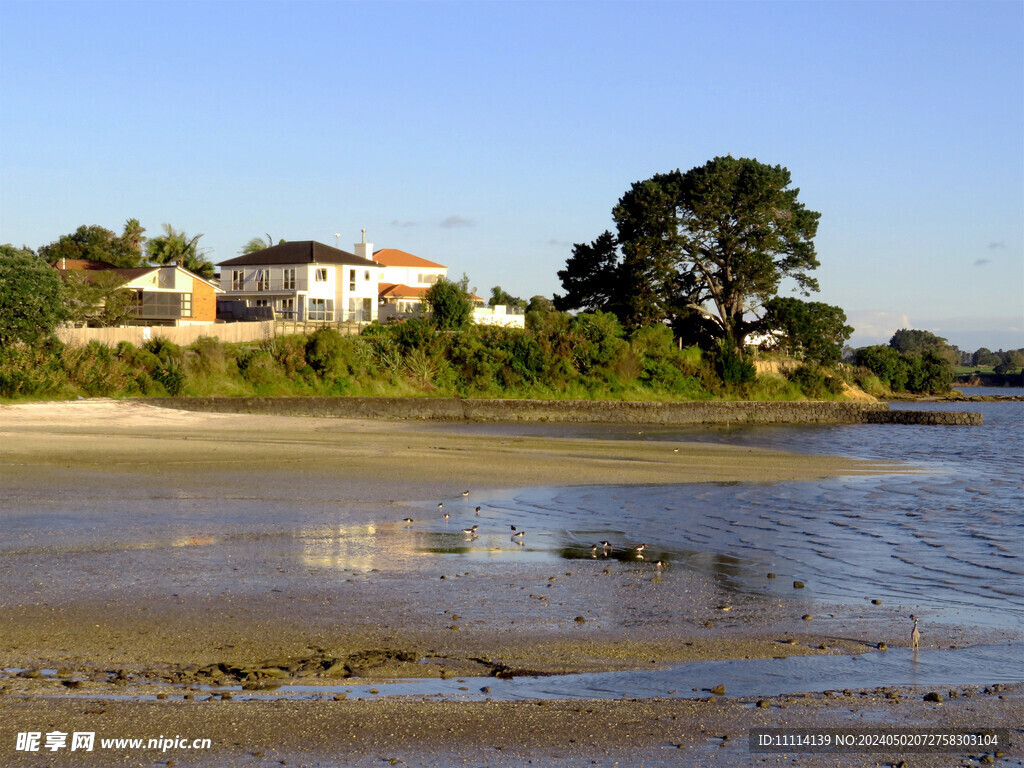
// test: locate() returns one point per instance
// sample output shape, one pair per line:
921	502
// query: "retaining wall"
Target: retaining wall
604	411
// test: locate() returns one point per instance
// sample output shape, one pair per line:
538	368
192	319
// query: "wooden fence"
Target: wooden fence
183	335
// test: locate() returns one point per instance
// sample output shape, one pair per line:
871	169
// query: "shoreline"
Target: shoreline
693	412
166	554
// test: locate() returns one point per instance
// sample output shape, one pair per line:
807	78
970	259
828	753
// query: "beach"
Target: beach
155	552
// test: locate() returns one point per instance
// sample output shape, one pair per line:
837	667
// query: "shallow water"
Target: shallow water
949	540
983	665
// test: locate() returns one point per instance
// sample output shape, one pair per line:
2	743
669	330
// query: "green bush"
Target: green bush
817	381
323	353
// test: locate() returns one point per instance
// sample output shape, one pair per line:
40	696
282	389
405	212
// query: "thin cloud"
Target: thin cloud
402	224
982	262
558	243
456	221
996	245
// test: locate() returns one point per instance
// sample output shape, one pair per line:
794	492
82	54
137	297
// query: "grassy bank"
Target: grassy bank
585	357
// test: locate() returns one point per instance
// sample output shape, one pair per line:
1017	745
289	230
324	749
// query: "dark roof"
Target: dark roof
299	252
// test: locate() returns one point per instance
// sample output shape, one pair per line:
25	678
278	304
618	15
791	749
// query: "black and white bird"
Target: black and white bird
471	531
478	511
915	636
408	520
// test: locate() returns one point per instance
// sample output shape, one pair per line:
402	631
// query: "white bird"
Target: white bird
470	531
407	520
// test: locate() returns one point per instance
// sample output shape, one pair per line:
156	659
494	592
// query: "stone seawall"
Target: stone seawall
603	411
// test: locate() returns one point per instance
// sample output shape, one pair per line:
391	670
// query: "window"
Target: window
321	275
321	309
263	280
366	275
288	307
351	279
237	280
262	302
186	305
289	280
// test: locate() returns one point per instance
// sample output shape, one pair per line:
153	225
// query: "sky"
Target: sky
491	136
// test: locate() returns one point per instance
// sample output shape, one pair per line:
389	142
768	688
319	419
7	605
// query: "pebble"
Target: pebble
718	690
798	585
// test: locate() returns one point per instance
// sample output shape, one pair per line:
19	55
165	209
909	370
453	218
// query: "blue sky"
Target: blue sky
491	136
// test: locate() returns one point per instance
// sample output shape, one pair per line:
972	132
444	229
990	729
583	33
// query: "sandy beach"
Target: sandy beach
172	553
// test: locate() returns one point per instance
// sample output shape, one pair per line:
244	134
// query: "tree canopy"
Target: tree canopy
95	243
174	247
449	303
810	330
500	296
712	243
257	244
916	342
31	294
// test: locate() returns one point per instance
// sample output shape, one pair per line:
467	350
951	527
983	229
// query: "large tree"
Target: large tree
31	297
911	341
714	242
94	243
174	247
450	304
811	330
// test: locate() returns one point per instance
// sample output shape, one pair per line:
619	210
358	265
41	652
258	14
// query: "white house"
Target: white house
305	280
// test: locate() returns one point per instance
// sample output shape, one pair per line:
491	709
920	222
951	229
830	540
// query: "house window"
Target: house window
263	280
186	305
351	279
321	309
262	302
366	275
237	280
321	275
427	278
289	280
288	307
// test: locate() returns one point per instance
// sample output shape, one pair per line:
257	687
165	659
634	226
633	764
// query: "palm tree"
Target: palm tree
175	247
259	244
133	239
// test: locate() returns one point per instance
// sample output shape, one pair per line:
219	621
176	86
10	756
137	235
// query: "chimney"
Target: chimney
364	249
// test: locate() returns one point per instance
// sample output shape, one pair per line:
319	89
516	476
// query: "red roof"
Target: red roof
392	257
399	291
80	265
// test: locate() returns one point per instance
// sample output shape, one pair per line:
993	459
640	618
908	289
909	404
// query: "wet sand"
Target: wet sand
228	591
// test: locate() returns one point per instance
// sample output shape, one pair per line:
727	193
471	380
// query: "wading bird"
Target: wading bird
915	636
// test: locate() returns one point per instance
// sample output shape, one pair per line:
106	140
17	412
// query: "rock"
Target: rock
807	617
876	601
718	690
882	646
987	760
580	619
798	585
933	696
340	696
764	704
771	575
